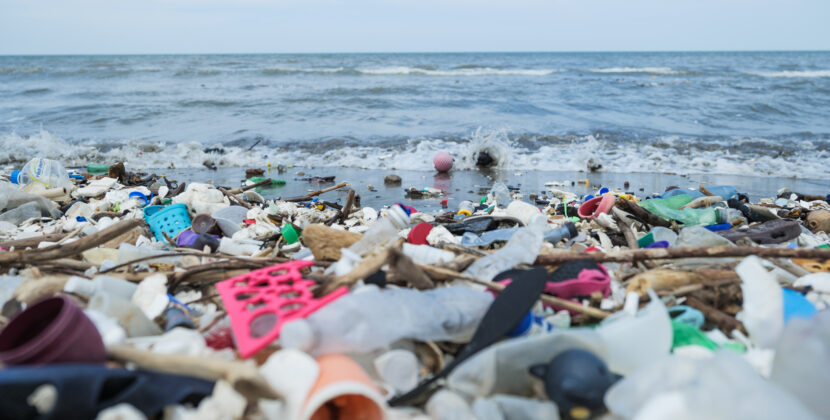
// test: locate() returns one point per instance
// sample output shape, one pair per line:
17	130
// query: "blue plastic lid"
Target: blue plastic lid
588	197
603	190
796	305
658	244
139	195
523	327
722	226
15	177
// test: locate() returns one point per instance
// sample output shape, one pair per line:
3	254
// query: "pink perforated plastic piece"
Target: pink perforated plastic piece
260	302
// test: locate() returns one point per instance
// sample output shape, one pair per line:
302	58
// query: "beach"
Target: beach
473	184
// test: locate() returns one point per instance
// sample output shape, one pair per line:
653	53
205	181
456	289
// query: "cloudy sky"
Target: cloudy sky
243	26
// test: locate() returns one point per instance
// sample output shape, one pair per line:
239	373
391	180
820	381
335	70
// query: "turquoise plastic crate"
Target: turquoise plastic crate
170	219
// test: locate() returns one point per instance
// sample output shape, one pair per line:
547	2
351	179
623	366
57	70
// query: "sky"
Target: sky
296	26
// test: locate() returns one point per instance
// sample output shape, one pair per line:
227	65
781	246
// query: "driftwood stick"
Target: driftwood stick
627	233
62	251
673	253
641	213
724	321
445	274
244	377
33	242
315	193
250	187
347	208
239	201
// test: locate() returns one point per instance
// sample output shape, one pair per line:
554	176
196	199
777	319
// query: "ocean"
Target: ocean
741	113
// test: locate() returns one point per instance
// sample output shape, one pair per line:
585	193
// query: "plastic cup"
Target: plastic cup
203	223
343	384
54	330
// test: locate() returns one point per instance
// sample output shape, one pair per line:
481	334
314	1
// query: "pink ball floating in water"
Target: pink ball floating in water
442	161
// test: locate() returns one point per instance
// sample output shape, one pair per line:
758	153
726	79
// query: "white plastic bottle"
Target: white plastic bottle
50	173
118	287
382	231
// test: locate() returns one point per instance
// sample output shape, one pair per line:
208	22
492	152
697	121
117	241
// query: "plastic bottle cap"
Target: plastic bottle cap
290	234
418	234
15	178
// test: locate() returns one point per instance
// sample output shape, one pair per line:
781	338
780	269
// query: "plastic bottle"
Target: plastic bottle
636	338
246	247
50	173
523	211
657	234
113	285
22	213
466	207
129	316
427	255
381	232
763	305
501	194
523	247
802	360
699	236
371	319
531	324
567	231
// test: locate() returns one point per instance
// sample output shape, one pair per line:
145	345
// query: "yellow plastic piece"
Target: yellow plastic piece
464	212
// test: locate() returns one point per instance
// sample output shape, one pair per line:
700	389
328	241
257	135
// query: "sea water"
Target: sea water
747	113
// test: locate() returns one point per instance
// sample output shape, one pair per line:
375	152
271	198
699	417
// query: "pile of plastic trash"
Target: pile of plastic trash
131	296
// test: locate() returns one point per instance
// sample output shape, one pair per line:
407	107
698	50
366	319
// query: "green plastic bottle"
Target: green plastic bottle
256	179
95	168
669	208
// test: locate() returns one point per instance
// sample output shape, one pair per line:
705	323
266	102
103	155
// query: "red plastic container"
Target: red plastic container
54	330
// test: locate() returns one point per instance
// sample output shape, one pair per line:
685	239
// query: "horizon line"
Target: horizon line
413	52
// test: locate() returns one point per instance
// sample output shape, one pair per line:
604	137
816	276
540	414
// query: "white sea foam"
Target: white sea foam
668	154
803	74
649	70
478	71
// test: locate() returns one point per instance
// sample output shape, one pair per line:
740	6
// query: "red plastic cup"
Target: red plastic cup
54	330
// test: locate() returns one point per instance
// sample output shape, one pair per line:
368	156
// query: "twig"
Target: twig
724	321
250	187
673	253
61	251
32	242
235	198
552	300
244	377
315	193
641	213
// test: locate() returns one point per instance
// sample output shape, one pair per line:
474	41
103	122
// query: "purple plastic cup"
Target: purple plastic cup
54	330
186	238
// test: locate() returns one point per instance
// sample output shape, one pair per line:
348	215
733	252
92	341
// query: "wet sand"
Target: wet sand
471	185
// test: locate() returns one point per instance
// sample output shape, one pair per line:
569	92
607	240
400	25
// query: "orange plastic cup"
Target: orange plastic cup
343	391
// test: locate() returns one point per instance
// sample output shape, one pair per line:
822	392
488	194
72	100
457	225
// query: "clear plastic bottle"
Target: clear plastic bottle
50	173
381	232
371	319
116	286
636	337
523	247
501	194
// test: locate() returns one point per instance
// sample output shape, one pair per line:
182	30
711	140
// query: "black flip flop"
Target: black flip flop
506	311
